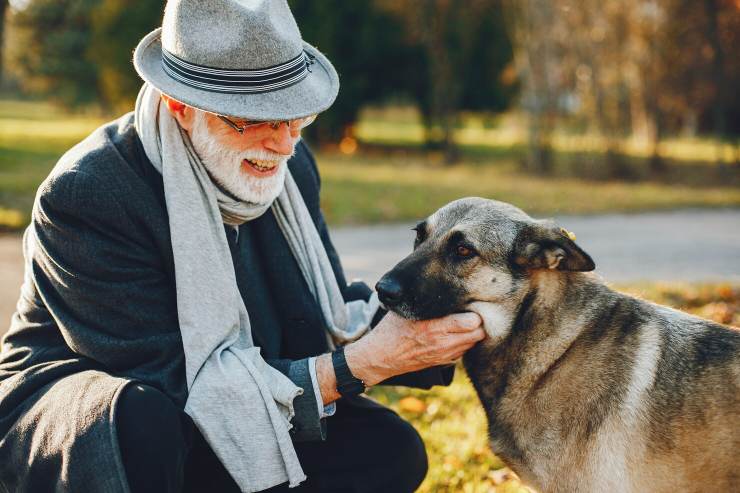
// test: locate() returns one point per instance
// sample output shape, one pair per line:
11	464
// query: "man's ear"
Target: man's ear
184	114
539	246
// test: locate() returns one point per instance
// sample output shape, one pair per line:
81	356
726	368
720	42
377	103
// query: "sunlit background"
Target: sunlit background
558	106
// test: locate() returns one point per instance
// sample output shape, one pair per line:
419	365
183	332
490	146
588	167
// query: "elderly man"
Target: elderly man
184	323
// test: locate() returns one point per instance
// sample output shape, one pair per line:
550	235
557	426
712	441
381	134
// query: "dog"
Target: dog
585	389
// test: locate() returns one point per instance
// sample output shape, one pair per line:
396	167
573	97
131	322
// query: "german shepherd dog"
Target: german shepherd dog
585	389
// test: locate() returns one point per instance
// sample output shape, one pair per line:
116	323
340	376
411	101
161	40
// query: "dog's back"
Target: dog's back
692	409
641	398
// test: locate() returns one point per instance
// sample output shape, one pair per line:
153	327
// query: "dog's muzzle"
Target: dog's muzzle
389	291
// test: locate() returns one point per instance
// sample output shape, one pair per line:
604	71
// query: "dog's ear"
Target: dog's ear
539	246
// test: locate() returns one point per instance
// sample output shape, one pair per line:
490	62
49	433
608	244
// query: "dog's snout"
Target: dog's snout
389	291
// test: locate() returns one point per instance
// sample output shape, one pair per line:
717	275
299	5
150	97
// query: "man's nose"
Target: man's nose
389	291
281	140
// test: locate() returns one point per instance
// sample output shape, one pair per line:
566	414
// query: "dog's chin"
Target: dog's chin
403	310
497	318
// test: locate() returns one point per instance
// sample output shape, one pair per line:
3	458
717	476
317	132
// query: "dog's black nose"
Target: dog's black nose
389	291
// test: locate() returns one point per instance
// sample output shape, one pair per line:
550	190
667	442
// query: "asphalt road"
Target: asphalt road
686	245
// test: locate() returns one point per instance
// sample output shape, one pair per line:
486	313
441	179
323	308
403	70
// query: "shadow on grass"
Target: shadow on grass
595	166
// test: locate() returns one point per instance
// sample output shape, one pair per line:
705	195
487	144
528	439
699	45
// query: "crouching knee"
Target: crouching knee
407	457
153	437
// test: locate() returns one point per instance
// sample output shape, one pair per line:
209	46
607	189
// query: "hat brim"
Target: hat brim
310	96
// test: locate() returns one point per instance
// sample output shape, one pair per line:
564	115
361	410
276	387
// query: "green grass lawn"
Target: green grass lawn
386	183
452	423
32	137
370	189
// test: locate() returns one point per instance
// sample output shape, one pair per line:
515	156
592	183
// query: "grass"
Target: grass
384	182
394	188
452	423
400	126
33	136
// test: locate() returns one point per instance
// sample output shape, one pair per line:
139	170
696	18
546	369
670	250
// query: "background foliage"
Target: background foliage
618	70
380	49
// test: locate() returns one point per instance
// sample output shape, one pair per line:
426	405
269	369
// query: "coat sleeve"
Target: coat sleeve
101	278
424	379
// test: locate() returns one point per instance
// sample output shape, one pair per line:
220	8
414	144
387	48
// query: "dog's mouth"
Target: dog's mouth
403	310
410	311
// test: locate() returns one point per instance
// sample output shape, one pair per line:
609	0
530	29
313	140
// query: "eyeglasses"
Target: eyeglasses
242	125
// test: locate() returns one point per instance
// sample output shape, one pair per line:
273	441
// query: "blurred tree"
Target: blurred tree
117	27
466	49
3	8
79	51
56	34
627	68
530	24
366	47
490	83
722	33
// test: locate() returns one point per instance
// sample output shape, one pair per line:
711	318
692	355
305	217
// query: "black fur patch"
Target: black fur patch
683	359
489	370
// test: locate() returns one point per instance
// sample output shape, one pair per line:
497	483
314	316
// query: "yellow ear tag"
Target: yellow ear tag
569	234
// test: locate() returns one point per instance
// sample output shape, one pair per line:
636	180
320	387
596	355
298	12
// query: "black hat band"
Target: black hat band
237	81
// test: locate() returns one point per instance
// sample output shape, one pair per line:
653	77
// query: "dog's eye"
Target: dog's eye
464	251
420	234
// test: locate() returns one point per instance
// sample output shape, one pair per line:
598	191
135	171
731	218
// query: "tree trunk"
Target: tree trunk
718	76
444	96
656	163
534	60
3	10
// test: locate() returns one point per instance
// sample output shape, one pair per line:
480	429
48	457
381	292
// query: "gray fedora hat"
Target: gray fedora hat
241	58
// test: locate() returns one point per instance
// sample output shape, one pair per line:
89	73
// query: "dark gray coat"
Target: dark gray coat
98	310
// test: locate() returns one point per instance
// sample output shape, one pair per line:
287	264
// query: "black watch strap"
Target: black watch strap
347	383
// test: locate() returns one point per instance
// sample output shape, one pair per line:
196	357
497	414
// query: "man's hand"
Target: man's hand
398	345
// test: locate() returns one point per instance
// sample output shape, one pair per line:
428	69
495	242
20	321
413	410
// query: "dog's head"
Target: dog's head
480	255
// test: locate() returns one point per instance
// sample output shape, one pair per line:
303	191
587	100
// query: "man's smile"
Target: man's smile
260	168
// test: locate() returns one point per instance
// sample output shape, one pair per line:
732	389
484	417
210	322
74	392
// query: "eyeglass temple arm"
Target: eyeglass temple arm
231	124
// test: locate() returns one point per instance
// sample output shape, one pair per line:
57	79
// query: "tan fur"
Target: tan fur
586	390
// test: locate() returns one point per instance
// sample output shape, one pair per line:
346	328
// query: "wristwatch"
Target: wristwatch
347	383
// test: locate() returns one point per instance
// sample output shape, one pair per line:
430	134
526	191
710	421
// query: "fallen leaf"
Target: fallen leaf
412	404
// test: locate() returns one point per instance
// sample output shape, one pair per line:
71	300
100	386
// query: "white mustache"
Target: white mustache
263	155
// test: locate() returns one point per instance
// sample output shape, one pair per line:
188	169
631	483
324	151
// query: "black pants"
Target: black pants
369	448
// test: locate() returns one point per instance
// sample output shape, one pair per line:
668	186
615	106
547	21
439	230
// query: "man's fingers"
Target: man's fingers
463	341
478	334
456	355
470	338
462	322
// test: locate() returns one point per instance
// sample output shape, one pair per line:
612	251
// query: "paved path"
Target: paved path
688	245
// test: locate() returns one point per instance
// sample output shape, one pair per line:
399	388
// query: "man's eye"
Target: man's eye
464	251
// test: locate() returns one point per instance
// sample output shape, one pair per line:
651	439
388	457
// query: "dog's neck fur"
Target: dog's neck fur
514	375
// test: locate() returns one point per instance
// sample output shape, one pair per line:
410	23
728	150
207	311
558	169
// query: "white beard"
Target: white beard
224	166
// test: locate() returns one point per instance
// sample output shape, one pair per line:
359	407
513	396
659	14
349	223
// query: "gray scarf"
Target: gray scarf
241	405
